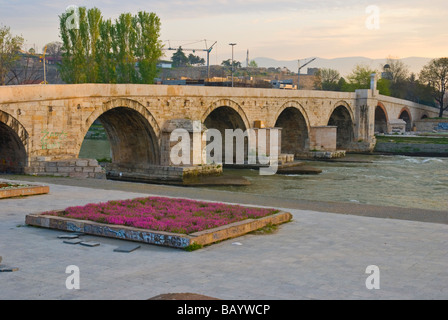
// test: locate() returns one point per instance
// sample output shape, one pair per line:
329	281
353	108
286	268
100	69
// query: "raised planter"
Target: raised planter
174	240
22	191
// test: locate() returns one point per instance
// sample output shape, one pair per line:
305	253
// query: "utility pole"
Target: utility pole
232	44
300	68
45	71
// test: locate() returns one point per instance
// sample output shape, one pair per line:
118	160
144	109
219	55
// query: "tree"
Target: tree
26	70
123	43
228	63
179	58
75	47
253	64
327	79
435	75
107	71
397	73
148	46
99	50
9	52
195	60
418	92
360	77
54	49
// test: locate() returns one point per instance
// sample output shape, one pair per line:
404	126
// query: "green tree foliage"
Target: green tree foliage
149	47
435	76
99	50
179	58
195	60
9	52
228	63
253	64
360	77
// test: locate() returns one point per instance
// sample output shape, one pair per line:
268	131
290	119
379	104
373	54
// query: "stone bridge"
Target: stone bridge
45	123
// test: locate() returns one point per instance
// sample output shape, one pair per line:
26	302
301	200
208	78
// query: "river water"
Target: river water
410	182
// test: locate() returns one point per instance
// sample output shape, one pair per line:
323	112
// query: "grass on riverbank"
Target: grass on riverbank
412	139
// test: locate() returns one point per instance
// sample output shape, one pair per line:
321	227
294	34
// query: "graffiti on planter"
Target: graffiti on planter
443	125
52	140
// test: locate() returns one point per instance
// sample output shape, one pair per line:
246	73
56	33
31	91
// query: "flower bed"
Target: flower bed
164	214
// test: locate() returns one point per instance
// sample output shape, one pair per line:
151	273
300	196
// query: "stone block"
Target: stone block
50	169
93	162
81	175
88	169
82	163
66	169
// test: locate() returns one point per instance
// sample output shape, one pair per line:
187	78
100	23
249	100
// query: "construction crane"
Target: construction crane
207	49
300	68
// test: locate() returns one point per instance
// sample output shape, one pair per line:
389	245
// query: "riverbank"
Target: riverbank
432	145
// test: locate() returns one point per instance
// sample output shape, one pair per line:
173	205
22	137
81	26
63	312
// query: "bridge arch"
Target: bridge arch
132	130
13	144
228	105
342	117
381	119
227	114
405	114
293	120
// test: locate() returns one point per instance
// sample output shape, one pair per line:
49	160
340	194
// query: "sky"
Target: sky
280	29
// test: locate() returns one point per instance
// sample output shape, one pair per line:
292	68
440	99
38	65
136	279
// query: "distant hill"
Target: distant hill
343	65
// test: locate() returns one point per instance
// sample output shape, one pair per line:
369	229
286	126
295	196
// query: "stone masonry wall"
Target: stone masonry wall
74	168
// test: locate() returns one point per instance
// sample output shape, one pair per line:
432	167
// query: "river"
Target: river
409	182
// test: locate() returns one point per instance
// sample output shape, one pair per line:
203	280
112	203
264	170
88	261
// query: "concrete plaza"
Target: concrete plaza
319	255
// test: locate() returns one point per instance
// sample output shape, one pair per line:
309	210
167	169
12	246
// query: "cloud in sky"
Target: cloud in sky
284	29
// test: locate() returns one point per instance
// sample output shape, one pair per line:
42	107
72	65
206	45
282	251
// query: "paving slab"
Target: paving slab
89	244
127	248
68	236
73	241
